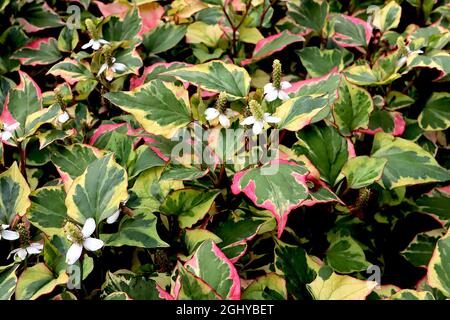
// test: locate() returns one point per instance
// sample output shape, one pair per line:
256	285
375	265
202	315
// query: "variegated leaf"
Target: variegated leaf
98	192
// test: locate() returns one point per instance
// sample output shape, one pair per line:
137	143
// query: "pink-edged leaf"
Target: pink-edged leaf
37	16
39	52
268	46
385	121
164	294
351	31
210	265
156	71
436	203
71	71
151	14
113	9
327	84
22	101
281	186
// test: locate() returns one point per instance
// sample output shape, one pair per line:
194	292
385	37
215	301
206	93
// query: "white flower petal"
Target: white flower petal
271	119
74	253
87	45
283	95
103	41
21	254
272	96
102	68
119	67
285	85
268	88
401	62
109	78
5	226
211	114
35	248
92	244
12	127
63	117
248	121
13	252
113	218
88	228
258	127
6	135
224	121
9	235
96	45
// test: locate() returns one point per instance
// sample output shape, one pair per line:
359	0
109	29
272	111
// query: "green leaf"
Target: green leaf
309	13
438	272
436	114
267	287
362	171
297	113
421	248
352	109
325	148
194	237
340	287
161	108
71	161
48	211
144	158
408	294
436	203
194	288
119	143
280	187
68	39
71	71
36	16
38	118
115	29
319	62
135	286
8	280
149	191
272	44
189	205
98	192
163	38
397	100
345	255
297	268
350	31
216	76
39	52
14	193
388	17
24	99
138	231
407	163
210	265
38	280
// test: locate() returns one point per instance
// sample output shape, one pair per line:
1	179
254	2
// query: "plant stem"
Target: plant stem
23	156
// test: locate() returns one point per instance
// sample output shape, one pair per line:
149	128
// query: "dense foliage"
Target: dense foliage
126	173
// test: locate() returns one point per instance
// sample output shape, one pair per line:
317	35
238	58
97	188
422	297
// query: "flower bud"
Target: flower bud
256	109
221	101
276	74
73	232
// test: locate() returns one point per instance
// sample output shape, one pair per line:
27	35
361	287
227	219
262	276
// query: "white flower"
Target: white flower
258	125
116	66
402	61
21	253
63	117
7	234
113	218
95	44
91	244
224	118
273	93
8	131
